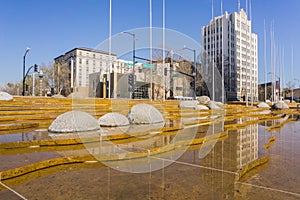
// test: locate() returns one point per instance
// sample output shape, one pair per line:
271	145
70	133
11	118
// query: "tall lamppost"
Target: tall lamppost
133	59
24	57
194	68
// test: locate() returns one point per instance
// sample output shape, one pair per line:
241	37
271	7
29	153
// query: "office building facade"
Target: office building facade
229	45
72	69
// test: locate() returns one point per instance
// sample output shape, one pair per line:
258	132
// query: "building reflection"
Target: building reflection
212	166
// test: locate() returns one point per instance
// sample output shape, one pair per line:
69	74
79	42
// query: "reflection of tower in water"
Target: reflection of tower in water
229	156
247	145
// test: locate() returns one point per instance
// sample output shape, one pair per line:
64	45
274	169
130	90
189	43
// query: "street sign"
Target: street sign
128	64
148	66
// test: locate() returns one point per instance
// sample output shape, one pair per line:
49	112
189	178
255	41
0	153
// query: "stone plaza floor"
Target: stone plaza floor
236	153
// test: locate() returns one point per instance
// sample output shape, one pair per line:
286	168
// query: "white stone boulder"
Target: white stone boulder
144	114
76	95
4	96
113	119
203	99
202	107
74	121
188	104
280	106
220	104
213	106
263	105
58	96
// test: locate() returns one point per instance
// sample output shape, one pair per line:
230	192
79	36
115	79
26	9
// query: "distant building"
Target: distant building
72	69
166	82
95	73
229	43
271	88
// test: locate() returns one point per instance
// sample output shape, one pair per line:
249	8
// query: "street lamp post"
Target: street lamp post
24	57
133	59
194	69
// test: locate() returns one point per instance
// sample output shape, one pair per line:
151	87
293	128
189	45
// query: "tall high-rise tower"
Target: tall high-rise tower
231	47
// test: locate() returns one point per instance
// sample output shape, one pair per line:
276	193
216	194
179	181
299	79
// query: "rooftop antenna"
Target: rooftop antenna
250	7
212	9
221	7
247	8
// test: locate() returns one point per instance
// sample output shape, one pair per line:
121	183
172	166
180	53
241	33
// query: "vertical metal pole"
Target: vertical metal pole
195	74
279	89
33	83
265	60
164	25
23	91
251	68
133	67
222	57
72	75
151	87
247	69
24	57
213	56
41	82
292	74
109	51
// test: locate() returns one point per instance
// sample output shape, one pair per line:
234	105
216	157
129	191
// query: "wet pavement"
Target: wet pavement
194	161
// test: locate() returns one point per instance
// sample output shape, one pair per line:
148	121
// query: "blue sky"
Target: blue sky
52	27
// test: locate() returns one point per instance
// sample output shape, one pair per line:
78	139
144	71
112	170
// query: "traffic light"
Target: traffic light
193	69
35	68
131	82
130	79
192	84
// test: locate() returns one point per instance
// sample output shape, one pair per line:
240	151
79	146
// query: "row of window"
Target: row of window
211	29
94	55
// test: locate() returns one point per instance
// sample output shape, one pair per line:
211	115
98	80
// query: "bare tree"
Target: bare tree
12	88
62	78
48	75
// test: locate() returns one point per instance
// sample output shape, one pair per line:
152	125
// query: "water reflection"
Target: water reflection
210	162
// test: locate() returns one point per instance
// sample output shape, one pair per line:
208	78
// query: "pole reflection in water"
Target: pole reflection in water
218	168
